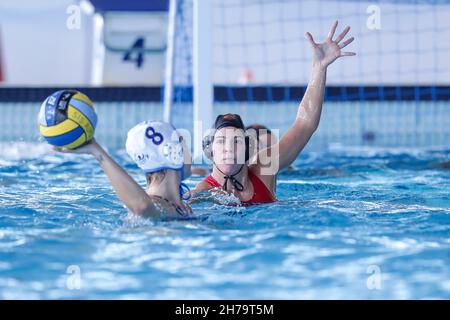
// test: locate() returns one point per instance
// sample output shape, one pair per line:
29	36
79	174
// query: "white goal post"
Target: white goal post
201	71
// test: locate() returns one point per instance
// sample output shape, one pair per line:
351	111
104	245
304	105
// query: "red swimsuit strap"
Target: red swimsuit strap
212	182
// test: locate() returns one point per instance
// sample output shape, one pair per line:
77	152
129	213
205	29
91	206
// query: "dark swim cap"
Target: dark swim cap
258	126
229	120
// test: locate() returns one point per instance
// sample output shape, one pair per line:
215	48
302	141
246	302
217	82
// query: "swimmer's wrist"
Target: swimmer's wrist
98	152
318	67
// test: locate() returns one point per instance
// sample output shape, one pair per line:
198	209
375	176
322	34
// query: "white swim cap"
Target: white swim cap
155	146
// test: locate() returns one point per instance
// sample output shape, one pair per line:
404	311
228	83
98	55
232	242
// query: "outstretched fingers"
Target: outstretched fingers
332	30
310	39
346	42
342	35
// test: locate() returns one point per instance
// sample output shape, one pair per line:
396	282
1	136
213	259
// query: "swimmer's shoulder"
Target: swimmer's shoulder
201	186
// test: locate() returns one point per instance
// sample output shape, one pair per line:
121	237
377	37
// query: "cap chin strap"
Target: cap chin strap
236	184
183	187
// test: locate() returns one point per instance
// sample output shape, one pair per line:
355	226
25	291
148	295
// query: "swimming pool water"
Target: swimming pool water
350	223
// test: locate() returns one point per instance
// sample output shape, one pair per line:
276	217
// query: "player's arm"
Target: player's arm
127	190
307	119
310	107
201	186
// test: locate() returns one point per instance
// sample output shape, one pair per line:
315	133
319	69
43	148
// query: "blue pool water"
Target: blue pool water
350	223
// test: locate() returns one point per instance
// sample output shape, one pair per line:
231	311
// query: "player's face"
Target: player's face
229	149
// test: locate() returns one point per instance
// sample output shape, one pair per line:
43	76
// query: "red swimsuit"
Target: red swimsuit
260	192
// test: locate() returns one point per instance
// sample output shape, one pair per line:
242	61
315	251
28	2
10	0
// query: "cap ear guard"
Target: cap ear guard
207	143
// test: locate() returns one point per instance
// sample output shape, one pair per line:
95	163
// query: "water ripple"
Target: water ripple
339	213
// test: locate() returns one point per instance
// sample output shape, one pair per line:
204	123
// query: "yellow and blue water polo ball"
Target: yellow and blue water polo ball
67	119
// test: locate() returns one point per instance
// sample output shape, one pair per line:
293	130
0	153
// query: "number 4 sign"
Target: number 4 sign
136	52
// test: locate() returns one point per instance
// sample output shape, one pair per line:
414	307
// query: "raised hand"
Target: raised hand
88	148
326	52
